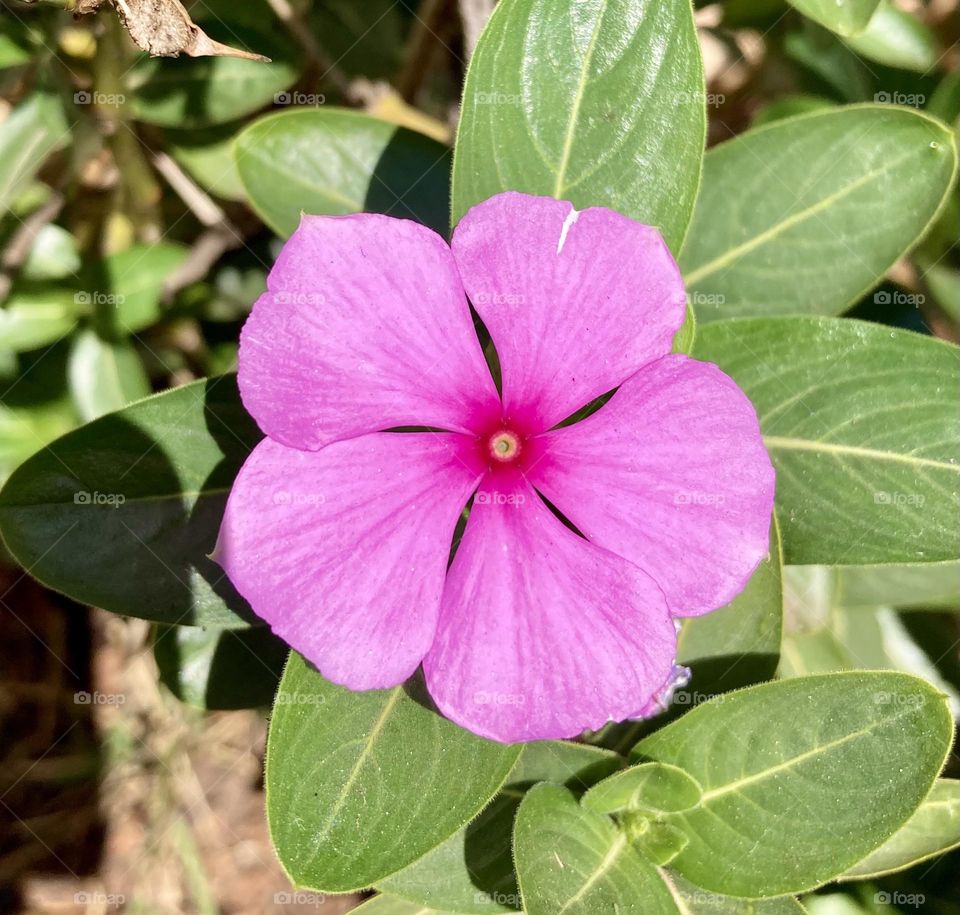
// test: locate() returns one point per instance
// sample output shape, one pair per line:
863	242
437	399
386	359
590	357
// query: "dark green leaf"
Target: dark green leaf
335	161
123	512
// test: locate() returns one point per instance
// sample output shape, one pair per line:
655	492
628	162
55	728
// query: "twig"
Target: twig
22	242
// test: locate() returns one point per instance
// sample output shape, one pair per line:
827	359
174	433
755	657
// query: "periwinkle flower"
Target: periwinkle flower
338	529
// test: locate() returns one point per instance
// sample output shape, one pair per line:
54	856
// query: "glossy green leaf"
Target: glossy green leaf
807	214
473	870
191	92
36	316
648	786
135	277
898	39
826	57
945	101
845	17
933	830
123	512
104	375
380	765
862	426
33	130
572	861
219	668
692	900
598	102
802	778
336	161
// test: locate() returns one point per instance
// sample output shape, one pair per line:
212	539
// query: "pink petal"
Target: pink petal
671	474
575	301
343	551
364	328
541	633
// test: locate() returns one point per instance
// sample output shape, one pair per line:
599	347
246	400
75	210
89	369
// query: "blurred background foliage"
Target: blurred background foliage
142	203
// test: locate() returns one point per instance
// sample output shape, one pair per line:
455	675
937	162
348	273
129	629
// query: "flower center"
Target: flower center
504	446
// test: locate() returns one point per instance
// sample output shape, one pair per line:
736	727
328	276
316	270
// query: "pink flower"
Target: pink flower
338	532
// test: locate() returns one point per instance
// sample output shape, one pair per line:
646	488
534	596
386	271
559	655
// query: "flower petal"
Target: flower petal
364	328
671	474
541	633
575	301
343	551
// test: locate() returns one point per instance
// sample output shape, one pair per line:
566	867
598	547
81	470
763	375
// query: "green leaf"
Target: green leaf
807	214
598	103
104	375
944	285
123	512
945	101
845	18
473	870
739	644
33	130
790	106
53	256
209	157
378	764
572	861
924	586
15	41
691	900
933	830
36	316
684	339
219	668
384	904
801	778
191	92
336	161
135	277
862	426
648	786
898	39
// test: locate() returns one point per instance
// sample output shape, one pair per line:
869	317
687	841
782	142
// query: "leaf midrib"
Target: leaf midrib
792	443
